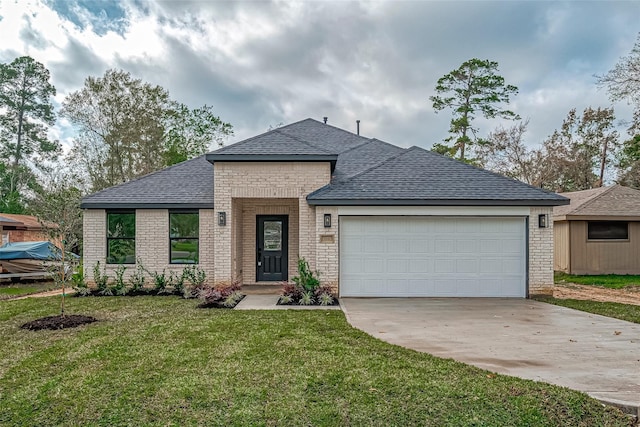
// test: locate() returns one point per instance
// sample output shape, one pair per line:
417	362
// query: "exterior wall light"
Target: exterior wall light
222	219
543	221
327	220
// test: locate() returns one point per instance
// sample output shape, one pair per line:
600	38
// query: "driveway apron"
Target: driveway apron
594	354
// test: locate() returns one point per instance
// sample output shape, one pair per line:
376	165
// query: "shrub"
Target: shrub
119	286
324	289
196	278
291	290
308	280
137	279
285	299
306	288
79	283
176	281
325	299
101	279
306	298
221	296
159	282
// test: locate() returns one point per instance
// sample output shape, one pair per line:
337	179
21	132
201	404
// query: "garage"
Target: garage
430	256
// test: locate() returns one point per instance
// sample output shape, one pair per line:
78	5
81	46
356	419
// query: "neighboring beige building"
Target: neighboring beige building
374	219
598	232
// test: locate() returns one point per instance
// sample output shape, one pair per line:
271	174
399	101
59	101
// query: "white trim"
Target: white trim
435	210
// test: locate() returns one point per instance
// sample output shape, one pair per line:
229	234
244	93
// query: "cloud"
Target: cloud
263	63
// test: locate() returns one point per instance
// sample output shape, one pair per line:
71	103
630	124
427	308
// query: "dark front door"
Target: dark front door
272	248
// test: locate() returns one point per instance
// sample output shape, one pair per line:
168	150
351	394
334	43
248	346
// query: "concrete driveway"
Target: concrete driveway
594	354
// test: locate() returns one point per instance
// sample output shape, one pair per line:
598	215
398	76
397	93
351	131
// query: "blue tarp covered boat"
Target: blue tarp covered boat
31	257
45	251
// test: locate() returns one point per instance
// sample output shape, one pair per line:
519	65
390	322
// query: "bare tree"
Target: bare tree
623	81
57	208
578	155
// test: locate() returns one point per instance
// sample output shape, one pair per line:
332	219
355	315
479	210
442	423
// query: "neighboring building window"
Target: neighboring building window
184	230
121	237
608	230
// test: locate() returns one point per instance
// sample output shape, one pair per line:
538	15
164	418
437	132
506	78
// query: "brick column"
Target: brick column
222	234
326	240
540	253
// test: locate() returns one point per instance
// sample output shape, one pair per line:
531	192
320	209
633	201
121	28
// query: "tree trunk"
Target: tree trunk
603	161
466	116
17	154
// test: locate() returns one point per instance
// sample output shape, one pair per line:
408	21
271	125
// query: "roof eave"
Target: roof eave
431	202
221	157
602	217
137	205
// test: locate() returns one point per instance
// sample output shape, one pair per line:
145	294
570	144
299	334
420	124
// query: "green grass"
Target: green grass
611	281
628	312
162	361
18	289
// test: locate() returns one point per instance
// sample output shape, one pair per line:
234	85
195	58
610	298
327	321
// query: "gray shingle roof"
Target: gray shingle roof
272	143
367	171
616	200
185	185
327	137
363	157
417	176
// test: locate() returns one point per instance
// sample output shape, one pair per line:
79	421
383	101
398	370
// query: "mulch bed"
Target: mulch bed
218	305
295	303
58	322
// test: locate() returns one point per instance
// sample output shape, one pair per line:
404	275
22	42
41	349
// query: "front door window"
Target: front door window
273	235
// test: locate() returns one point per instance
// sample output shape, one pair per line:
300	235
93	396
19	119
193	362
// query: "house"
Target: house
374	219
598	232
21	228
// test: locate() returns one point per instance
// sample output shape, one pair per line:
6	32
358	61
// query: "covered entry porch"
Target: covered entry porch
265	240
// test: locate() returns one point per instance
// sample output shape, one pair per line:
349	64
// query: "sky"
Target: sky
262	64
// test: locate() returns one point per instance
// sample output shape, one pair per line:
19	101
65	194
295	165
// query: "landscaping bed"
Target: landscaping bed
58	322
189	284
162	361
306	289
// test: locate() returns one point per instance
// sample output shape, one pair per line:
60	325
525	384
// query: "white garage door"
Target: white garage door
432	257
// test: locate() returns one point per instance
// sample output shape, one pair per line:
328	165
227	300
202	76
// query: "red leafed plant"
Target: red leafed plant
222	295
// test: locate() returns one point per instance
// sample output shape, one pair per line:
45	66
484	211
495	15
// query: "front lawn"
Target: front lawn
162	361
628	312
611	281
11	290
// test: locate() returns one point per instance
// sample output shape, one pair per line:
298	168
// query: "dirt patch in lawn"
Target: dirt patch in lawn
629	295
58	322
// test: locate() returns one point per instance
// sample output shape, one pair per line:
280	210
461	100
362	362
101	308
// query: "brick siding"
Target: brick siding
152	242
540	252
246	185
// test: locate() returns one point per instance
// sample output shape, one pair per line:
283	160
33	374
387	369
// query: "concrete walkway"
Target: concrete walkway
269	302
55	292
594	354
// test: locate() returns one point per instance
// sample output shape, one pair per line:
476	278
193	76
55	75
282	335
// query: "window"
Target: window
608	230
184	230
121	237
